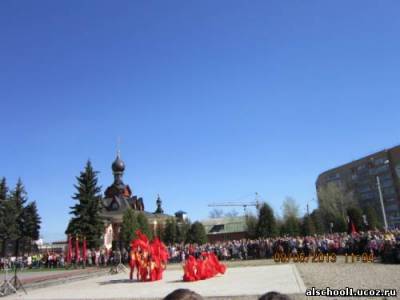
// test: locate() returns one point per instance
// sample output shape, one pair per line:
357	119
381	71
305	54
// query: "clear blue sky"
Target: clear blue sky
213	100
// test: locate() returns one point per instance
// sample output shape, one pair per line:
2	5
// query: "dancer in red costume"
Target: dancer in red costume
132	263
159	257
144	266
219	268
150	259
190	269
205	267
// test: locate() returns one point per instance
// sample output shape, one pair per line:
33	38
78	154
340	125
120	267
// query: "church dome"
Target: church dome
118	166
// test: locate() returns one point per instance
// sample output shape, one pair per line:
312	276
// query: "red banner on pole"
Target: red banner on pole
69	250
76	249
84	250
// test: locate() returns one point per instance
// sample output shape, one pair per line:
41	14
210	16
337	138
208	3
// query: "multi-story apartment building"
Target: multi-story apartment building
361	176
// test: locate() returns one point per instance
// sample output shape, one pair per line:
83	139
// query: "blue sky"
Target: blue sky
213	100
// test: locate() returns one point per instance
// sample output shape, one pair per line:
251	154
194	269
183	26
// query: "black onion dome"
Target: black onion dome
118	165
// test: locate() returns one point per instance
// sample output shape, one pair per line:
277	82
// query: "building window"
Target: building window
387	183
364	188
379	161
380	169
367	195
389	191
361	167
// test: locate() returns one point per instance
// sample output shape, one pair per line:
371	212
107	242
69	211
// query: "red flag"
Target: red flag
69	250
76	249
353	228
84	251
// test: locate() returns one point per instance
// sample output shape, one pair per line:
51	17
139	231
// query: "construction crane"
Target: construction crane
255	203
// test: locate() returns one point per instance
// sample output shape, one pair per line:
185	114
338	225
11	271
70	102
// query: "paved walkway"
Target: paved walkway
39	276
237	281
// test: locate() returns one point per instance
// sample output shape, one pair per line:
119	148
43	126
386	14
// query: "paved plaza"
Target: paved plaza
243	280
238	281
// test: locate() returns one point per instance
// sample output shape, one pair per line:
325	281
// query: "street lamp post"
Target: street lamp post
155	227
378	182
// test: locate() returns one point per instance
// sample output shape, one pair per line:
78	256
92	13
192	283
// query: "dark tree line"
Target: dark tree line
19	220
319	221
171	232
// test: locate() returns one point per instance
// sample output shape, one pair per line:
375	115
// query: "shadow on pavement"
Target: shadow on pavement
114	281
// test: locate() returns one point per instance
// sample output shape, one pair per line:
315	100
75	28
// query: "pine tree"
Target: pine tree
32	221
143	224
266	226
18	198
197	234
8	224
129	226
86	220
8	218
3	189
3	197
169	234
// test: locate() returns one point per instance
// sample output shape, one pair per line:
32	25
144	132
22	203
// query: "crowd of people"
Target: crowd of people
385	246
52	260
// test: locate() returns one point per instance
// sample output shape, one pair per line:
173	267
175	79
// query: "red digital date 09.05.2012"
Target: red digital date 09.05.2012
322	257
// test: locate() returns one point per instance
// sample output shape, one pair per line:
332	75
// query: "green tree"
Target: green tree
18	197
8	224
333	202
182	229
3	197
170	228
290	208
32	221
86	220
291	222
355	214
197	234
372	218
251	224
143	224
18	223
291	226
3	189
129	226
308	226
317	219
266	226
